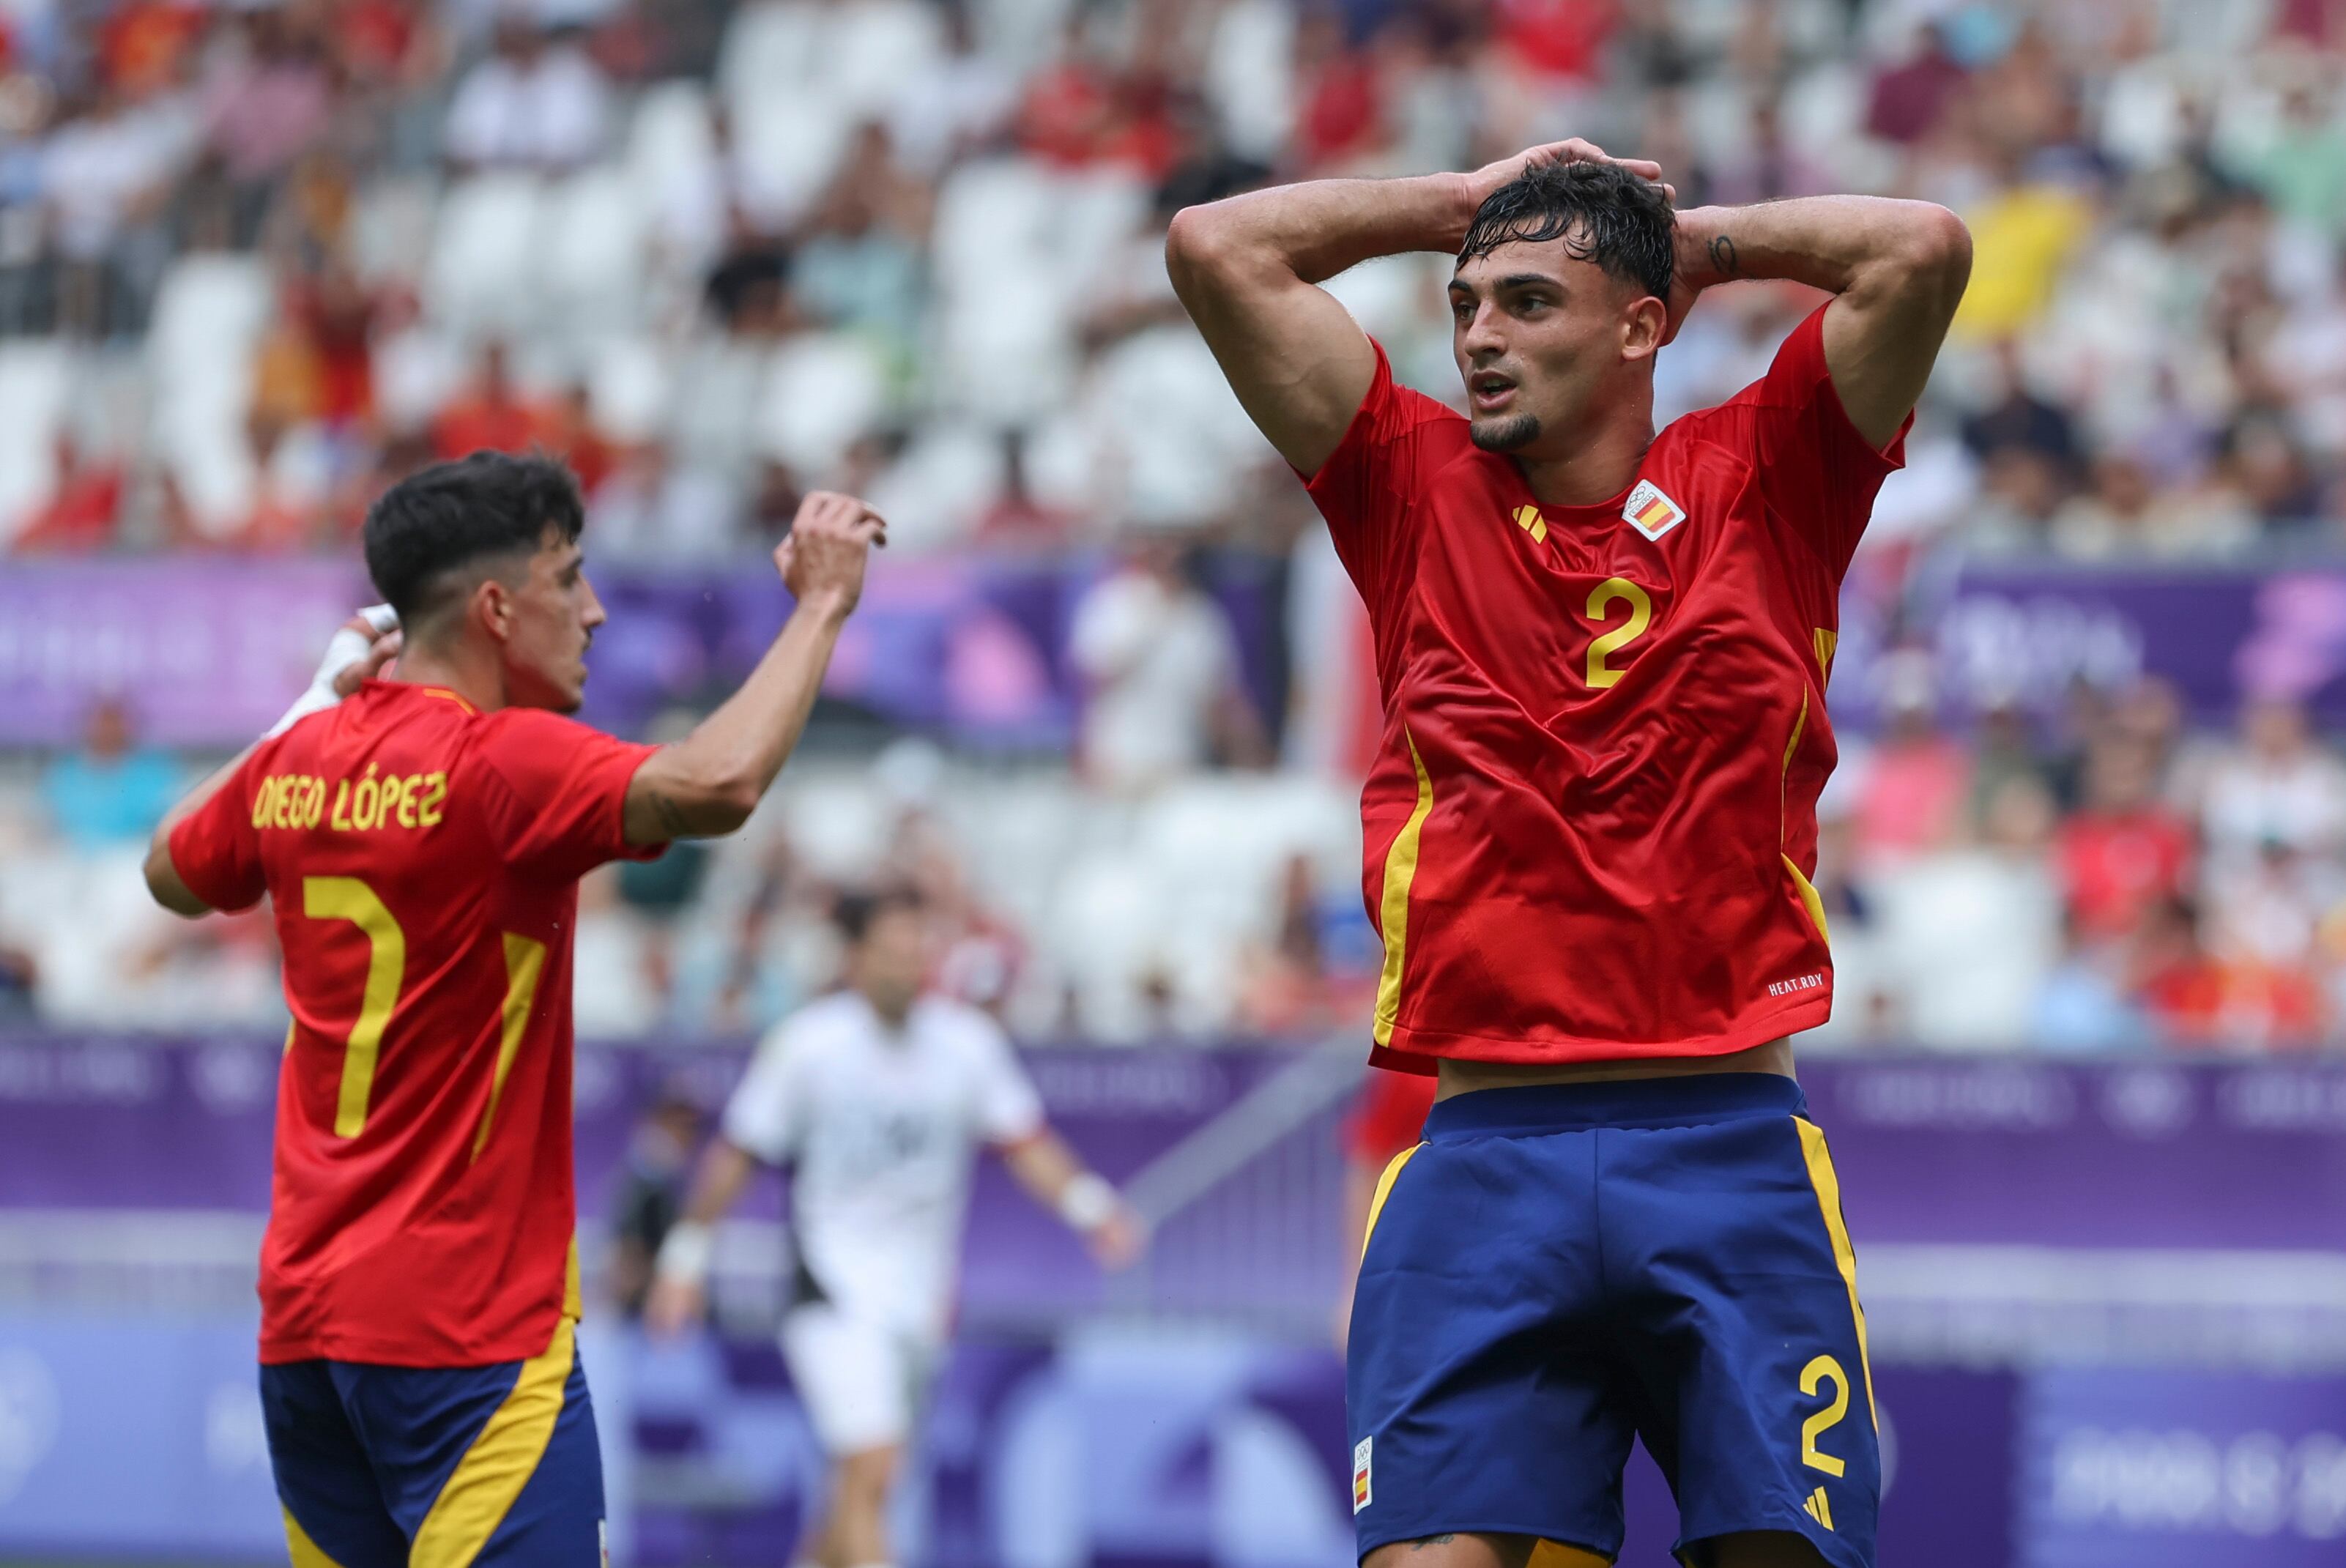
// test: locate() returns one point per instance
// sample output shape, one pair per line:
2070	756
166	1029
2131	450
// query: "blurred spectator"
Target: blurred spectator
2125	850
2303	171
1161	673
2276	787
267	101
81	513
651	1193
2125	514
107	176
532	103
2022	236
2084	1004
1908	98
1017	520
493	412
111	790
1285	988
859	263
2018	419
2195	999
1913	784
1970	933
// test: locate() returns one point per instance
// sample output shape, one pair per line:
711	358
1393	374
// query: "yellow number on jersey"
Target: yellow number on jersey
1823	1369
347	898
1641	615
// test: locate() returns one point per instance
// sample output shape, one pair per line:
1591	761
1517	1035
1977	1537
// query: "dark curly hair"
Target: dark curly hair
1601	211
428	525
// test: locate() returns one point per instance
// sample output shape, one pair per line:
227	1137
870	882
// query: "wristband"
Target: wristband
684	1254
1088	1202
343	649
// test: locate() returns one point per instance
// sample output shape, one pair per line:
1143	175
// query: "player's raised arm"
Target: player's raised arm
1896	267
1248	269
709	782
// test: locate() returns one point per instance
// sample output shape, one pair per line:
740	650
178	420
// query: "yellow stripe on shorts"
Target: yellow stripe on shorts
1384	1191
1827	1183
500	1462
305	1553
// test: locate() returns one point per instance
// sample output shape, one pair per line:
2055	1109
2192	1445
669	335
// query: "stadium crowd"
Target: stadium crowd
258	262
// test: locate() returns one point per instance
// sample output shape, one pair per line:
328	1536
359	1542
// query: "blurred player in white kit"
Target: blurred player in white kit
880	1097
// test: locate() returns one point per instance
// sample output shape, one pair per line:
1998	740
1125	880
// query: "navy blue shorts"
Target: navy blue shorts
381	1467
1557	1267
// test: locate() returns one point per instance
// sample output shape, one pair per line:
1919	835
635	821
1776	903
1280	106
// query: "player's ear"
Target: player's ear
492	607
1644	324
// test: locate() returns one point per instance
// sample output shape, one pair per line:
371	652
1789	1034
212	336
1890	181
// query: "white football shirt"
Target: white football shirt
883	1127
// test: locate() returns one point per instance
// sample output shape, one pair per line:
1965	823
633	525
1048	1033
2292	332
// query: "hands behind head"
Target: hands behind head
831	538
1573	149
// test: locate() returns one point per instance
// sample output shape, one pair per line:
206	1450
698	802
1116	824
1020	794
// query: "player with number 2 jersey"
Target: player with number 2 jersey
1590	836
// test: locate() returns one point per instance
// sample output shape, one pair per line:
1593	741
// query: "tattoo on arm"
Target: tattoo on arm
1723	257
669	815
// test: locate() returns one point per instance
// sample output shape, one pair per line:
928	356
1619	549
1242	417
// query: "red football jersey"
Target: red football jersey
423	859
1591	825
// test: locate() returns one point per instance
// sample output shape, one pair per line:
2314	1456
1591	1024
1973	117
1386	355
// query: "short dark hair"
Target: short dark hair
1601	211
429	525
857	912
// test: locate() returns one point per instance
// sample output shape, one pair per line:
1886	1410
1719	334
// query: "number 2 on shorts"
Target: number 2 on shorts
347	898
1823	1369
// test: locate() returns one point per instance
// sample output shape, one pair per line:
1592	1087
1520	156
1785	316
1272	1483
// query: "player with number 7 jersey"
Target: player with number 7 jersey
422	843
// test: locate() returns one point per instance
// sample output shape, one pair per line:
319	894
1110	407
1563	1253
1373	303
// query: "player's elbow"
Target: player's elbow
1199	248
1937	251
163	883
727	803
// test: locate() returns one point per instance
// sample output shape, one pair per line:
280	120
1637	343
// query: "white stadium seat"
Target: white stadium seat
36	383
483	279
822	392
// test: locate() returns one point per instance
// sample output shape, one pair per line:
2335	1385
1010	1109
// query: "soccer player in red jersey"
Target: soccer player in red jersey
422	842
1590	834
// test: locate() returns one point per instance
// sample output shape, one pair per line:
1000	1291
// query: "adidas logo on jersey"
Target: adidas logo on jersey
1650	512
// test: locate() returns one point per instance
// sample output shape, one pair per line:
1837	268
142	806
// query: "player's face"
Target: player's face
554	612
1543	338
893	960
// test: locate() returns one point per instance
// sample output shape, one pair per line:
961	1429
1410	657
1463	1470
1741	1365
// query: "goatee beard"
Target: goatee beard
1509	432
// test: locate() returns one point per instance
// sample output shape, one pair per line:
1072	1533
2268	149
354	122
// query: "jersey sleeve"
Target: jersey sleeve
1368	488
216	848
1816	471
555	793
1008	1109
760	1119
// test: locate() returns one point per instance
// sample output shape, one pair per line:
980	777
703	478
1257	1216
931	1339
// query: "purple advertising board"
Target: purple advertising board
2028	632
1215	1438
2132	1151
210	651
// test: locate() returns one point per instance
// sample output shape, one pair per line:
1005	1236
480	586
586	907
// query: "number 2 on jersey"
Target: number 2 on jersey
347	898
1641	615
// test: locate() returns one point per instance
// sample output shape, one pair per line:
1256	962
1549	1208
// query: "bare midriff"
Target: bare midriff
1464	1077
